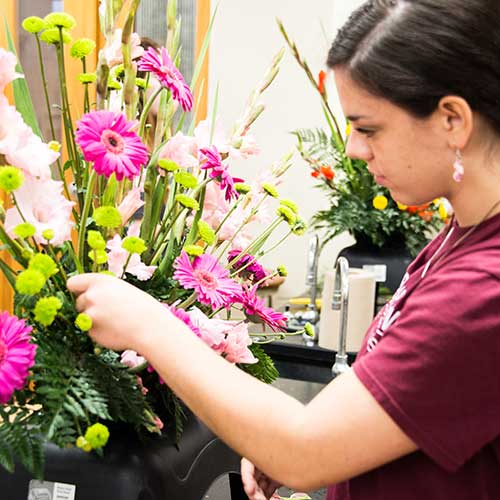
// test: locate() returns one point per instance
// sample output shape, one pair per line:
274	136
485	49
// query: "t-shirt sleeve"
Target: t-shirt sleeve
436	370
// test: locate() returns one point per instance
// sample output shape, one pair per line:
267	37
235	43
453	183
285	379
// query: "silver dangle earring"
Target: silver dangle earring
458	167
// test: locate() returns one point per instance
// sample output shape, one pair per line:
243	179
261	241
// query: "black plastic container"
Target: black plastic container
131	470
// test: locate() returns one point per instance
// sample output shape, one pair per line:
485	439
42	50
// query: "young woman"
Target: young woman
418	416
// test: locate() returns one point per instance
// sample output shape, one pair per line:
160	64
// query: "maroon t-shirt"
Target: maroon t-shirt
431	358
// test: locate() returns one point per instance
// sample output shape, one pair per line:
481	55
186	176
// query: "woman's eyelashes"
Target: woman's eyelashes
368	132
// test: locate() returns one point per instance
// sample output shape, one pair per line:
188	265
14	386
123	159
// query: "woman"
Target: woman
418	416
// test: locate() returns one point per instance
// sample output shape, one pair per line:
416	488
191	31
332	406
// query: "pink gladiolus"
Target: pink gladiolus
237	342
108	139
113	51
131	359
206	137
17	355
42	204
130	204
208	278
118	256
161	65
8	73
182	150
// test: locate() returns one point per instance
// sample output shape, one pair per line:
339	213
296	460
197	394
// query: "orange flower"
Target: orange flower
413	209
321	81
315	174
327	172
425	215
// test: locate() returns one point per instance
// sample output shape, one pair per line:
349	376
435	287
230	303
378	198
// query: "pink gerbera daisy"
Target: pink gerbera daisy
108	139
258	312
17	355
251	268
208	278
169	76
219	171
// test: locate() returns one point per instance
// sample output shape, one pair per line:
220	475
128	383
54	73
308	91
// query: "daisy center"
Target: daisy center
206	279
112	141
3	351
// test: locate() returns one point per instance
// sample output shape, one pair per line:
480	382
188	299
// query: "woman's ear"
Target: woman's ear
457	120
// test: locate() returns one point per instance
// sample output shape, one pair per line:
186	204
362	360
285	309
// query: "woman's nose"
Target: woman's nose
357	147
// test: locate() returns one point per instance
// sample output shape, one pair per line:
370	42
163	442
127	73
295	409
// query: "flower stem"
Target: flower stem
85	213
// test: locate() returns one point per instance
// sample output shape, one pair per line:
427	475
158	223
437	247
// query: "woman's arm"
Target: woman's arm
340	434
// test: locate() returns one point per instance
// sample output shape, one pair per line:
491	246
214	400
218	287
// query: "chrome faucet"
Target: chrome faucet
340	301
312	315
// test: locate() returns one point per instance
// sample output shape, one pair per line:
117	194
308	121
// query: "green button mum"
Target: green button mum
97	435
83	322
30	282
134	244
44	264
34	24
11	178
108	217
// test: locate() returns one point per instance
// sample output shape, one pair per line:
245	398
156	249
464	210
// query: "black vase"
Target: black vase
131	470
394	257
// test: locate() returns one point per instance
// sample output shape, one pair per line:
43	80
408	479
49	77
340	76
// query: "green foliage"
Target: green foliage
264	370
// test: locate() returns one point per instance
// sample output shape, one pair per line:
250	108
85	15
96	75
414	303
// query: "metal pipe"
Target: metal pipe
312	315
340	301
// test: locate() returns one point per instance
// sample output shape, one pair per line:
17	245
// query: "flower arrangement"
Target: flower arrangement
136	196
358	204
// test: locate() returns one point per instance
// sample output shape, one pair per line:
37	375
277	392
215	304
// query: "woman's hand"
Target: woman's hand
122	315
257	485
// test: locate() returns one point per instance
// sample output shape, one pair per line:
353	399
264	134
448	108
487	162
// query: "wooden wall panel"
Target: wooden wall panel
9	11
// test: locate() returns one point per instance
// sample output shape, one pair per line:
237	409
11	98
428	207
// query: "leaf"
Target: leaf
22	96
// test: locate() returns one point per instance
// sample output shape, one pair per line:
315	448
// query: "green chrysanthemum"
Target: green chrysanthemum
187	201
270	189
141	83
95	240
114	84
207	234
46	310
44	264
11	178
30	282
98	256
48	234
108	217
309	329
34	24
97	435
83	322
168	165
87	78
193	250
118	72
82	48
60	20
51	36
134	244
282	271
290	204
287	214
242	188
300	227
24	230
185	179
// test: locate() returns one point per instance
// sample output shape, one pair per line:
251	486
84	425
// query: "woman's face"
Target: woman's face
409	156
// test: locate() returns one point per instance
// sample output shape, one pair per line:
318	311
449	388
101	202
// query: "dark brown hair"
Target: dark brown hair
414	52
